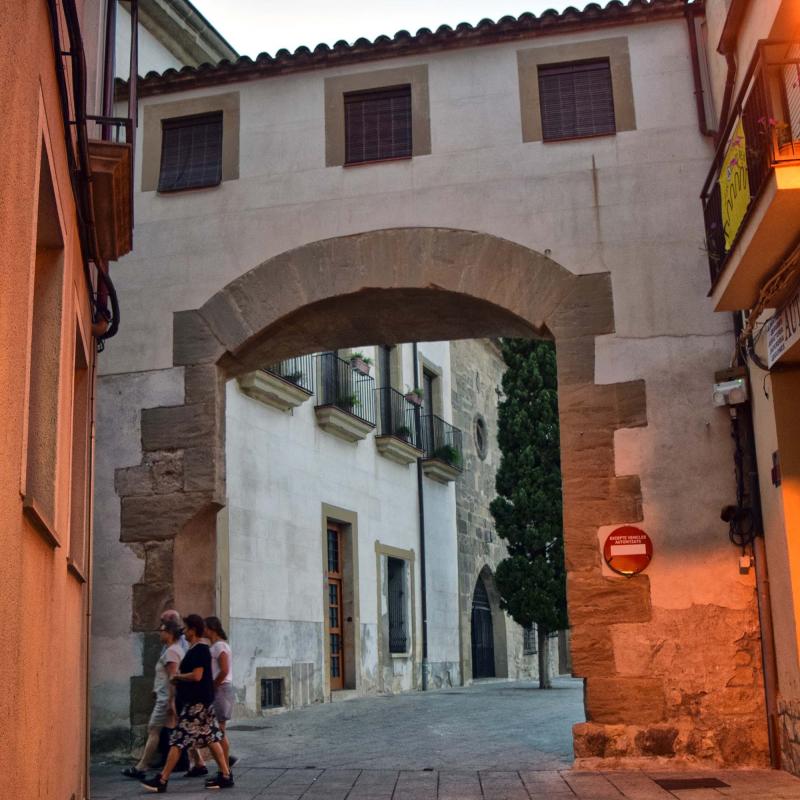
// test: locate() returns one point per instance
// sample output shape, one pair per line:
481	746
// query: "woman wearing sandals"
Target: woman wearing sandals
197	722
222	670
163	715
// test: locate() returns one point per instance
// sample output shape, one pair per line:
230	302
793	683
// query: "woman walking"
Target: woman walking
197	723
222	670
163	714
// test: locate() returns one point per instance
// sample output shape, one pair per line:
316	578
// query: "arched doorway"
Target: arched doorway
482	633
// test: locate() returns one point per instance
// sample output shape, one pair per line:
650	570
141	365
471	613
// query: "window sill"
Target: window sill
75	571
184	190
35	513
578	138
401	655
349	164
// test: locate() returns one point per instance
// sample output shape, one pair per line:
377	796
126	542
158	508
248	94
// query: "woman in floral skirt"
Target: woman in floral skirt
194	698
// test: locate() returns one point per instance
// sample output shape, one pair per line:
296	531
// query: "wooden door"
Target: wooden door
335	606
482	634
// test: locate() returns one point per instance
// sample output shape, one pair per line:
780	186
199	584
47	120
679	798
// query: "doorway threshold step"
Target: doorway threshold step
341	695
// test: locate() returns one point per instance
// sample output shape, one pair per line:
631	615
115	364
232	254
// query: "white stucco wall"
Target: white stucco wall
116	652
153	55
281	469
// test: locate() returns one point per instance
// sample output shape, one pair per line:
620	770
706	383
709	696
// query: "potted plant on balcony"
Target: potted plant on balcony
360	363
449	454
403	432
293	377
415	396
348	402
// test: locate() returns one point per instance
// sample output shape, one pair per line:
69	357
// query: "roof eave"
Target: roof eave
486	32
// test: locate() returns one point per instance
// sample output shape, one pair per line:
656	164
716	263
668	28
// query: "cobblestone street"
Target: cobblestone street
491	741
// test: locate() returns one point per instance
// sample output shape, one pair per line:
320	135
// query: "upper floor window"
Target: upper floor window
576	99
191	152
377	124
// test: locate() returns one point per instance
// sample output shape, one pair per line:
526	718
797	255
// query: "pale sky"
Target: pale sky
255	26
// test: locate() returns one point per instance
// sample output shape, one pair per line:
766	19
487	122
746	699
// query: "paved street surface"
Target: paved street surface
493	741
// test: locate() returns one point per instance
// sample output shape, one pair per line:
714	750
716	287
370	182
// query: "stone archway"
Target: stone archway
396	285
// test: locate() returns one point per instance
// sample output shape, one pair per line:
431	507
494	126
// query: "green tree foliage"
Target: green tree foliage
527	510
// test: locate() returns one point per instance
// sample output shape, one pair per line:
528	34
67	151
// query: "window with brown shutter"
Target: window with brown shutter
377	124
576	100
191	152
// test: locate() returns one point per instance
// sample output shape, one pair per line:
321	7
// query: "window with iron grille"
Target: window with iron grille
377	124
271	692
576	100
529	640
191	152
398	639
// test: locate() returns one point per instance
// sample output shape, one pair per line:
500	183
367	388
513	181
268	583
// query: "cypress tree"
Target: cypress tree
527	509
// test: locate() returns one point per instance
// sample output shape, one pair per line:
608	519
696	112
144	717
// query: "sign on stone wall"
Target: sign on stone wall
734	185
783	330
628	550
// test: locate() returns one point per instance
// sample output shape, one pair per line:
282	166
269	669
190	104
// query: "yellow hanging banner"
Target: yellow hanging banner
734	185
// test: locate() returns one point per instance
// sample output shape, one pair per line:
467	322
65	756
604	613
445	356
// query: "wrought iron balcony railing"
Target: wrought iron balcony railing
347	389
397	416
442	440
762	133
118	130
298	370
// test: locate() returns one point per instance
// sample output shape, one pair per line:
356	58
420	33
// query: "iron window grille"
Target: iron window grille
271	692
398	637
191	152
576	100
529	640
377	124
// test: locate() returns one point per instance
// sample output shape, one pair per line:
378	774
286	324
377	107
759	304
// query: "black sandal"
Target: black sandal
136	774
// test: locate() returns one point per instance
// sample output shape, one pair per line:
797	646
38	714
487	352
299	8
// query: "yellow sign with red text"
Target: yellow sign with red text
734	186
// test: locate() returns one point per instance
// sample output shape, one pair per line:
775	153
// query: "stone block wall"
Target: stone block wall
477	369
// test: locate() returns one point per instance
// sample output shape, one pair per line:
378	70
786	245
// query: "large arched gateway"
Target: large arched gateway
443	284
491	225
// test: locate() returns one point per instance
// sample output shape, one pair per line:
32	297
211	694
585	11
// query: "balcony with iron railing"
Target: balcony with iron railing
283	385
751	196
111	158
442	446
399	434
345	398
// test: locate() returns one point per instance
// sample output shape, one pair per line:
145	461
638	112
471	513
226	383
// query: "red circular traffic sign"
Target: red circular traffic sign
628	550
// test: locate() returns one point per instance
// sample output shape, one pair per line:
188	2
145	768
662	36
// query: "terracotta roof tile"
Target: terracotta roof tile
403	43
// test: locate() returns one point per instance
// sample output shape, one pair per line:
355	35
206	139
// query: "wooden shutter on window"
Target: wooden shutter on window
191	152
576	100
377	124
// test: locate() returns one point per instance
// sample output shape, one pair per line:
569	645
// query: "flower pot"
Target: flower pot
359	365
414	399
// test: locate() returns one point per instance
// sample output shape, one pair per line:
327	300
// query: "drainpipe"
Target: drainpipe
421	506
109	57
768	657
699	93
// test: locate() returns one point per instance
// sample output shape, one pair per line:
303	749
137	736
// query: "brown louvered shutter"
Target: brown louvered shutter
377	124
191	152
576	100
